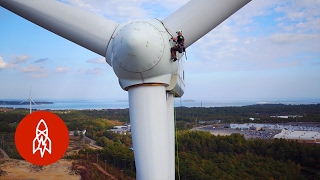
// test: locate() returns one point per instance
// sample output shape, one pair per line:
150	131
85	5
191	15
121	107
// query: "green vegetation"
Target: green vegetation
200	154
7	144
205	156
185	117
310	113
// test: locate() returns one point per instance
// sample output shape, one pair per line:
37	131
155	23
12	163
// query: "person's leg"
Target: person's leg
173	53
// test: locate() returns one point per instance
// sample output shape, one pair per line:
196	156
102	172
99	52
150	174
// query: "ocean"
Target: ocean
123	104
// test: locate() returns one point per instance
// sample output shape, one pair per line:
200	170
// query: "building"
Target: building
301	136
121	129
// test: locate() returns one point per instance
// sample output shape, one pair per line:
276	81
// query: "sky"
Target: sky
268	50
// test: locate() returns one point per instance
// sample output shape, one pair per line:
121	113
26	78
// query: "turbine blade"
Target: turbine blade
32	101
30	92
85	29
198	17
24	101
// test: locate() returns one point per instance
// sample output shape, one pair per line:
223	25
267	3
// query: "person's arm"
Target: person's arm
174	38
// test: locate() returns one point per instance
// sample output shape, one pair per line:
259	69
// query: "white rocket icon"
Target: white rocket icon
42	141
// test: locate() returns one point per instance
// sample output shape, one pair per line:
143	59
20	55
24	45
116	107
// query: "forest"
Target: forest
186	117
199	155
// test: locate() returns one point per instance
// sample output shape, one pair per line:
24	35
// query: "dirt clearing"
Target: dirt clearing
22	170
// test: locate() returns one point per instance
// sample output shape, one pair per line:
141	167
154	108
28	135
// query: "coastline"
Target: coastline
124	104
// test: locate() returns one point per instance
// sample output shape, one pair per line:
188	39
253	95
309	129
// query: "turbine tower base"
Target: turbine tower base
150	132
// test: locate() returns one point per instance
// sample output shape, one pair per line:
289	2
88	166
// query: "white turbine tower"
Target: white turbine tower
30	100
139	53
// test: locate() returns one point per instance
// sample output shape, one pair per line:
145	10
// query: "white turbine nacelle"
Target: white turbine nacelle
139	53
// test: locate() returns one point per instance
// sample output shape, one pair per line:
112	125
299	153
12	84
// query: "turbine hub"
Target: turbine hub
139	53
137	47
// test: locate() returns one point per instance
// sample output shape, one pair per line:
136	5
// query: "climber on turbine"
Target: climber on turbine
179	46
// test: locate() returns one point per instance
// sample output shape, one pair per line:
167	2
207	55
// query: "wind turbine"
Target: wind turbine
30	100
139	53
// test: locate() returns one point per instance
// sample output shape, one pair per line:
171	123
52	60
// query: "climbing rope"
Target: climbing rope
175	120
177	144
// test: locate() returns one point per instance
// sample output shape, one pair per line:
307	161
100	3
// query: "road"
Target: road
92	143
3	155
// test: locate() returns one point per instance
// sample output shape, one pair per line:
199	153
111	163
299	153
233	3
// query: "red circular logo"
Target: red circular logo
42	138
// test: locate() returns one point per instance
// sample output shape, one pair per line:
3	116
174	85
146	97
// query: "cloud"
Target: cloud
288	16
41	60
94	71
293	38
4	65
14	62
299	16
35	71
20	59
62	69
262	35
97	61
32	68
252	53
